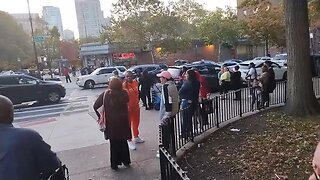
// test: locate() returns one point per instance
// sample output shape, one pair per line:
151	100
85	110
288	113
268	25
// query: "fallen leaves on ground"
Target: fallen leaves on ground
269	146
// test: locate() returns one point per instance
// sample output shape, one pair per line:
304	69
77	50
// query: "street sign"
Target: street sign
39	38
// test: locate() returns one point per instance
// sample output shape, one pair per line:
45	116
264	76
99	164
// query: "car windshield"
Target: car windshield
280	57
121	69
132	68
95	71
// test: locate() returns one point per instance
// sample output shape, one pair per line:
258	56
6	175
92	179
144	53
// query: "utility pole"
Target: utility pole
33	41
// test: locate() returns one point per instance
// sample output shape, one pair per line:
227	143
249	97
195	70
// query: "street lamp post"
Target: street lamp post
33	41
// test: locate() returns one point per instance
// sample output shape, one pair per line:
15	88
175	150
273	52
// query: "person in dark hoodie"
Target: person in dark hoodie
145	86
189	94
271	82
236	82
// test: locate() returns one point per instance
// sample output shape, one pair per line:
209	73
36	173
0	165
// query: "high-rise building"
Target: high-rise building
23	20
68	34
90	18
52	16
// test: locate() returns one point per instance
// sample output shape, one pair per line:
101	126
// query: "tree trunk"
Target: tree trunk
219	52
152	56
301	100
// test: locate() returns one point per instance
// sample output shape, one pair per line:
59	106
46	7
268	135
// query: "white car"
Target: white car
99	76
281	59
279	72
265	58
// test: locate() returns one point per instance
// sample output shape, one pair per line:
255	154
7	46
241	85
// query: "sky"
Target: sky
68	12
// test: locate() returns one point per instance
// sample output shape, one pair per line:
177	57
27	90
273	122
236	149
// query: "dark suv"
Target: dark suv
23	88
151	68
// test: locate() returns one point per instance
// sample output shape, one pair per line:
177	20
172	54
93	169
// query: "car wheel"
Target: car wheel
89	84
54	97
284	77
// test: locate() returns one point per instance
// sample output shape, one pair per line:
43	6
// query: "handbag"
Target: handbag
207	106
62	173
102	119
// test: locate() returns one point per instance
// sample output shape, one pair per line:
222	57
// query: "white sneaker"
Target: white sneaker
131	145
138	140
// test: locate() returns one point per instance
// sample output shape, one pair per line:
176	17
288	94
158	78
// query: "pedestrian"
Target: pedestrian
264	81
118	129
115	74
189	94
66	74
224	81
316	164
169	102
145	84
251	76
74	71
23	153
236	82
131	86
182	76
272	81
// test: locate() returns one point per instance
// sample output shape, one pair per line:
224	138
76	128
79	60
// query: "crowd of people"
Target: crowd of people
186	97
260	86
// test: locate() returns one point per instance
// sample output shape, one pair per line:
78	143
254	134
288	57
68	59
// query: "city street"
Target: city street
70	128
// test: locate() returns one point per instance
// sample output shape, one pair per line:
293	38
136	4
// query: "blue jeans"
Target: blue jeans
187	114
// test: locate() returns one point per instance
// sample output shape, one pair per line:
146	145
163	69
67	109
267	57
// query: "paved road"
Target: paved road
36	112
77	100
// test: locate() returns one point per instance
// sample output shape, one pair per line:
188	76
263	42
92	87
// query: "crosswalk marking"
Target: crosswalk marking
65	107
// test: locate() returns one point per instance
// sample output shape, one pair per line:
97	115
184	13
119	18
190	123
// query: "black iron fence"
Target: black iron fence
194	121
170	170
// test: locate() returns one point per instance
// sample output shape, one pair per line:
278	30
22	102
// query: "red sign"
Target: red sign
123	56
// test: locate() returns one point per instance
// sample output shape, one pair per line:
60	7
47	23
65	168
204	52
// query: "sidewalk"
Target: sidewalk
81	146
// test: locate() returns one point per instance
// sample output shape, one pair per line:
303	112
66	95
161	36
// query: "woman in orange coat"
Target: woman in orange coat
132	87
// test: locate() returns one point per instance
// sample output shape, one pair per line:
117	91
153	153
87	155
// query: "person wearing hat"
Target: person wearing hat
169	103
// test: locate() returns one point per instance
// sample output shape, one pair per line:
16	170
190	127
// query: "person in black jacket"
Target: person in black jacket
272	82
236	82
189	94
145	86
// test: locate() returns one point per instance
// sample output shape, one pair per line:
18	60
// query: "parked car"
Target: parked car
180	62
21	88
151	68
279	71
231	63
208	71
264	58
98	76
281	59
208	63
